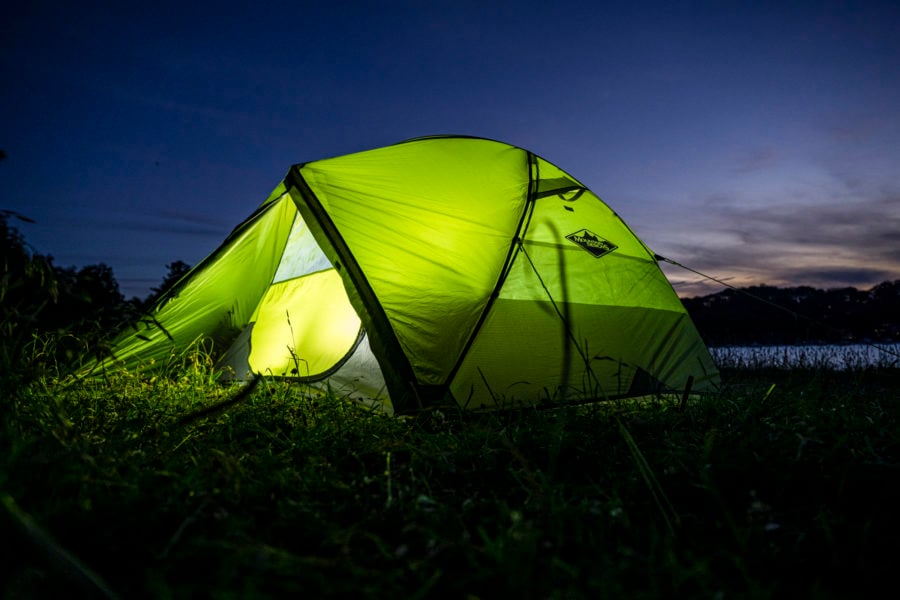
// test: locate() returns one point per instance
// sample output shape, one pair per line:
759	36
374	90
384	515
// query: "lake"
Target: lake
841	357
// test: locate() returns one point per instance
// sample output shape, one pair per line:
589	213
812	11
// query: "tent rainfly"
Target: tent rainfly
440	269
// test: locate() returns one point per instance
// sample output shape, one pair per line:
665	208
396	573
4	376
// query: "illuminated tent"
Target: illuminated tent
438	269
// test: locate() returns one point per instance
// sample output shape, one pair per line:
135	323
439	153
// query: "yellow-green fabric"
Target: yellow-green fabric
215	301
303	326
460	268
430	224
610	325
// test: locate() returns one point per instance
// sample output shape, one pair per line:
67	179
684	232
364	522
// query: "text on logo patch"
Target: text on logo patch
592	242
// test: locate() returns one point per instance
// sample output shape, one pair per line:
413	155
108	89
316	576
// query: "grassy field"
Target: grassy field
785	484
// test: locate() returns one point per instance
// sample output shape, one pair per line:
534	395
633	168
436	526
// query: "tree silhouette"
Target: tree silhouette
770	315
176	270
50	315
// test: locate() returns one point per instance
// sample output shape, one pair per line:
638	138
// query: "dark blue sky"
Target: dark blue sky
759	142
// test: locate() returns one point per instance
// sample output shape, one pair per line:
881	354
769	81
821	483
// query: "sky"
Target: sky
755	142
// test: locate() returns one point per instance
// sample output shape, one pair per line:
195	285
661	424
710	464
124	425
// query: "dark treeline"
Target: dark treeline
54	297
53	315
771	315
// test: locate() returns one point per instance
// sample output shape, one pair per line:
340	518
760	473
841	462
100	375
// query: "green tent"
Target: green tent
438	269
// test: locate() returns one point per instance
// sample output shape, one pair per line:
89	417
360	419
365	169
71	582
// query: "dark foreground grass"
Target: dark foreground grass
785	484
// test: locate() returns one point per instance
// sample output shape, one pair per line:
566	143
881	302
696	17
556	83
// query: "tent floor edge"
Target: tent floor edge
428	397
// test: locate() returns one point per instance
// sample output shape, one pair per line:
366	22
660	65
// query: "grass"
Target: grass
784	484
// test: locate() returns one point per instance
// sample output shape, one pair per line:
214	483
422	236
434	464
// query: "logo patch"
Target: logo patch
592	242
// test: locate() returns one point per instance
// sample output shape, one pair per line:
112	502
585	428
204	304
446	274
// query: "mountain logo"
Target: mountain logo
591	242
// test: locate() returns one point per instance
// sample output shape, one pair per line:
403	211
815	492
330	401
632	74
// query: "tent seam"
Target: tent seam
512	253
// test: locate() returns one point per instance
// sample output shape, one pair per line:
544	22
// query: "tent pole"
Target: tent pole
687	391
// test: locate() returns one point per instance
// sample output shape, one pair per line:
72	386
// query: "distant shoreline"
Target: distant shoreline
770	316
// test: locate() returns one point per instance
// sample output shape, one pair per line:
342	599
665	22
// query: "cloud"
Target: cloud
200	220
857	130
858	225
174	228
755	159
825	277
166	222
178	218
853	241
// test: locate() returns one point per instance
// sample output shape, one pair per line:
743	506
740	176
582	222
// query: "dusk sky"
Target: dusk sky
757	142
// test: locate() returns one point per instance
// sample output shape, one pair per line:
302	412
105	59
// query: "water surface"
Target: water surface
843	356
